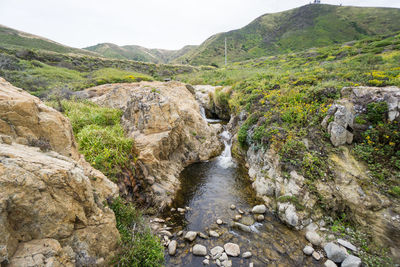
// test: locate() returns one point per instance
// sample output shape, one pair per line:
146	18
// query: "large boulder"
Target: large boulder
51	200
165	123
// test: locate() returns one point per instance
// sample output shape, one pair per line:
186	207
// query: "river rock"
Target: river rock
247	221
216	250
314	238
166	233
191	235
308	250
206	262
180	233
242	227
241	211
351	261
251	264
227	263
330	263
237	217
233	207
232	249
334	252
260	218
172	247
316	255
223	257
246	255
219	221
202	235
181	210
259	209
213	233
347	244
199	250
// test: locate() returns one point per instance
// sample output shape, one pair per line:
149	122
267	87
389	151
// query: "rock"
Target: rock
219	221
158	220
330	263
241	211
202	235
179	233
247	221
287	212
169	132
173	209
347	245
232	249
316	255
314	238
216	250
223	257
181	210
218	262
207	257
172	247
308	250
237	217
246	255
312	227
334	252
260	218
259	209
351	261
166	233
213	233
199	250
206	262
233	207
242	227
191	235
227	263
251	264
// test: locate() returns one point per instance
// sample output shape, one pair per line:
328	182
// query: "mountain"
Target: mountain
139	53
313	25
11	38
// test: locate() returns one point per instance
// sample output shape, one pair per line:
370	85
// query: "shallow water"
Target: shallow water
209	189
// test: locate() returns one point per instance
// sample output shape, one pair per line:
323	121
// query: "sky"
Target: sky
168	24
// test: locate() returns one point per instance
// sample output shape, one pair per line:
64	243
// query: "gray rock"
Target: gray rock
232	249
190	235
308	250
213	233
259	209
179	233
166	233
227	263
242	227
347	244
312	227
314	238
181	210
216	250
199	250
260	218
219	221
330	263
334	252
251	264
316	255
223	257
247	221
246	255
206	262
237	217
172	247
202	235
351	261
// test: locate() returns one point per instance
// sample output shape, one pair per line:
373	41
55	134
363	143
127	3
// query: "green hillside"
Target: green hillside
139	53
295	30
10	38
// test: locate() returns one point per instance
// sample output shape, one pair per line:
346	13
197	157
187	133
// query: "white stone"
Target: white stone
213	233
314	238
308	250
347	244
351	261
259	209
191	235
232	249
246	255
199	250
330	263
216	250
334	252
172	247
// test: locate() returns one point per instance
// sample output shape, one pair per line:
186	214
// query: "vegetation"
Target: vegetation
138	246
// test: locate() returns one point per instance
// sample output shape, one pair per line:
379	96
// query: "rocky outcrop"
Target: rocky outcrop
206	95
51	200
165	123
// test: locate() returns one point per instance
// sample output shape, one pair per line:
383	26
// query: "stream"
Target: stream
208	189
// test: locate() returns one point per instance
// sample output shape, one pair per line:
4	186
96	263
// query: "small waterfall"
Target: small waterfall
203	115
225	159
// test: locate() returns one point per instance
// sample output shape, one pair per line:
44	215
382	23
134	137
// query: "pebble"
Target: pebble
223	257
207	257
314	238
246	255
260	218
219	221
203	235
227	263
218	262
199	250
351	261
172	247
173	209
158	220
213	233
347	244
214	251
335	253
241	211
259	209
251	264
233	207
316	255
166	233
190	235
181	210
206	262
242	227
237	217
232	249
330	263
308	250
180	233
247	221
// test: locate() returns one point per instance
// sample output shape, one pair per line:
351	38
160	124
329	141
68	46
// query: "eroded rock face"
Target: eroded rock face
205	95
51	200
165	123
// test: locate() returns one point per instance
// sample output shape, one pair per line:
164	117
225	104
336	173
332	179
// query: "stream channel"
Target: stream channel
209	189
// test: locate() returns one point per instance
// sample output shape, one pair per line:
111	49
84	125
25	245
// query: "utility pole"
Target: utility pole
226	59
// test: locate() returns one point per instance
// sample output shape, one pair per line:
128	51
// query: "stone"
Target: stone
173	209
233	207
219	222
260	218
232	249
223	257
334	252
158	220
312	227
347	245
308	250
218	262
191	235
181	210
199	250
247	221
6	139
166	233
213	233
251	264
202	235
237	217
242	227
216	250
351	261
316	255
314	238
172	247
180	233
330	263
206	262
246	255
227	263
259	209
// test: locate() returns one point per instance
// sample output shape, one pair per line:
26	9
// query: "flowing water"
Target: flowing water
208	189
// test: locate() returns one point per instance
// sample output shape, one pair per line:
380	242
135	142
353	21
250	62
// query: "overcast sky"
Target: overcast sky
168	24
